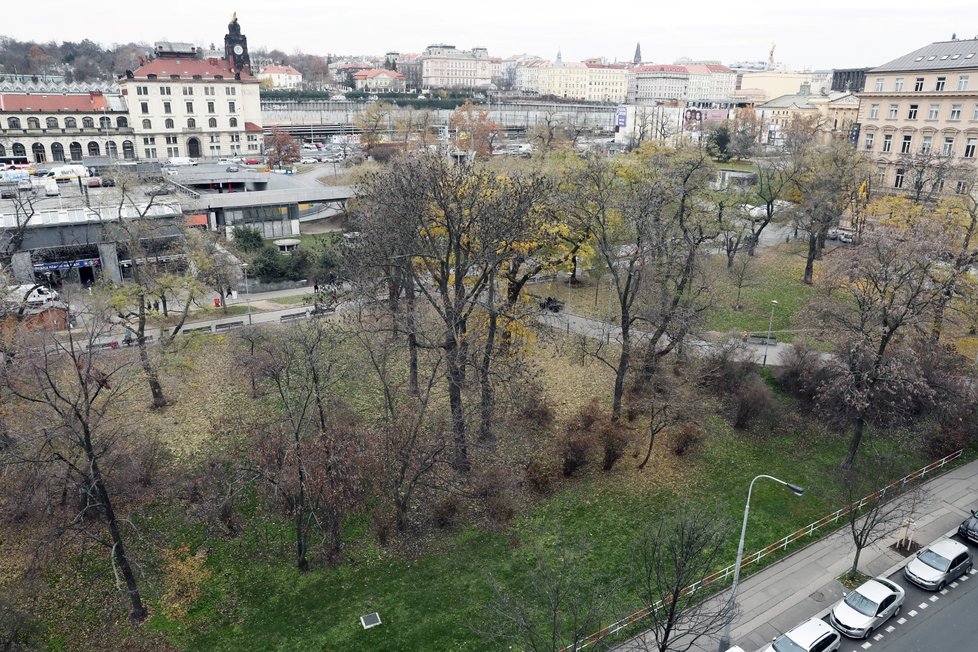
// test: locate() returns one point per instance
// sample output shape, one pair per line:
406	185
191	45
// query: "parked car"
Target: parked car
864	610
93	182
833	233
968	530
226	161
8	192
846	237
108	182
938	564
252	161
232	168
813	635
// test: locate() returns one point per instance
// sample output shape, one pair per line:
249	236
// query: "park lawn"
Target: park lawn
434	597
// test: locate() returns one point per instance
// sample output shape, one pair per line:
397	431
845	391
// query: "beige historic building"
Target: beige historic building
590	81
918	118
281	77
379	80
445	66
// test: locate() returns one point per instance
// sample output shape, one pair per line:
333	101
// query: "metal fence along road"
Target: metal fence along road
726	574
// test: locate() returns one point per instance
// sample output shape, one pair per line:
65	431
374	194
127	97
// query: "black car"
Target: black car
969	529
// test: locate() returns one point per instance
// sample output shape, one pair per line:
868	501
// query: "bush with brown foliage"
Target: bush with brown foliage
501	509
445	512
686	439
754	399
801	373
575	444
614	438
725	366
539	475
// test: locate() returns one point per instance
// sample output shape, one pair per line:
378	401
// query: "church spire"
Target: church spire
638	54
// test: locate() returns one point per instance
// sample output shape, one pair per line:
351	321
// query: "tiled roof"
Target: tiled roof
715	67
659	68
251	126
280	70
943	55
789	101
377	72
54	103
187	69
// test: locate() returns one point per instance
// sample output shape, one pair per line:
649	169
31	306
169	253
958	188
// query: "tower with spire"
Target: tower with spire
637	59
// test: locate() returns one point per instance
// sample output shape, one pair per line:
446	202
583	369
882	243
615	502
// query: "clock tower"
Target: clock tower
236	47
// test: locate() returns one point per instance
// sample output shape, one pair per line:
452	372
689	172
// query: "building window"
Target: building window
932	111
230	90
870	137
88	123
149	140
210	107
898	179
907	143
147	124
191	123
144	107
215	138
230	107
104	122
188	90
233	122
912	113
969	147
71	123
142	90
879	84
955	112
235	138
164	90
167	107
172	151
149	152
948	146
881	174
168	123
190	107
893	111
33	123
171	140
939	86
918	84
926	145
208	90
52	123
963	83
898	84
121	123
961	187
212	123
887	142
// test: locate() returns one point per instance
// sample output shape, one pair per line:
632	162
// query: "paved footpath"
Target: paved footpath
803	585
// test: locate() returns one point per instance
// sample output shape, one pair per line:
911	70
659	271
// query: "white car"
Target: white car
938	564
308	161
864	610
813	635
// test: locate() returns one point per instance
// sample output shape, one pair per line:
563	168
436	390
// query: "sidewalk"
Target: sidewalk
804	585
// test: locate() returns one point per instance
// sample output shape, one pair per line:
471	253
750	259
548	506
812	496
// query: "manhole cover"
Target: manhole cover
818	596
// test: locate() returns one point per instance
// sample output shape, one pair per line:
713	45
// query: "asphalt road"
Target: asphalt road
930	622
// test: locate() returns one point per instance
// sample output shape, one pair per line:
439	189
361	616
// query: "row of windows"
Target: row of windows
51	122
940	84
926	145
74	152
187	90
913	110
191	123
900	179
168	107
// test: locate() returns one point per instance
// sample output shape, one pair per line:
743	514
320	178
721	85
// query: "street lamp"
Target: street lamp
244	268
795	489
770	323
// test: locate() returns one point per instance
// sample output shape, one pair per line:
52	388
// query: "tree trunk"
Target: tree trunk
137	612
938	325
855	561
412	336
155	387
456	379
488	394
301	536
810	259
623	361
857	436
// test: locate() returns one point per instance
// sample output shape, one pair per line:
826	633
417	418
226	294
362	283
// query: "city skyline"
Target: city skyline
804	37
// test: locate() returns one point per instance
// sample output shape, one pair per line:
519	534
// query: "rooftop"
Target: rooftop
43	103
186	69
943	55
280	70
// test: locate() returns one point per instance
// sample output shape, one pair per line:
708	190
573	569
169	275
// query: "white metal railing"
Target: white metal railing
725	574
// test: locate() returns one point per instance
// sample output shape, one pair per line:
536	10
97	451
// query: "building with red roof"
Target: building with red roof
281	77
379	80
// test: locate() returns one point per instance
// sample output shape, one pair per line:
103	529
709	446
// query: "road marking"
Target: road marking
867	645
964	578
934	598
922	605
901	621
943	592
954	585
973	571
912	613
890	628
878	637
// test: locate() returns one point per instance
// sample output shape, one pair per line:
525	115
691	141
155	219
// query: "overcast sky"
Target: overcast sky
819	34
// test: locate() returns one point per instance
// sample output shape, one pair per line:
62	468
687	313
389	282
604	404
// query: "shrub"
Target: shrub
501	509
727	365
753	400
539	476
686	439
574	449
942	440
801	373
614	439
382	523
445	512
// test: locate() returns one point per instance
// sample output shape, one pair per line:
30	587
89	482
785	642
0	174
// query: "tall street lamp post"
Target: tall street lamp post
732	603
244	267
770	323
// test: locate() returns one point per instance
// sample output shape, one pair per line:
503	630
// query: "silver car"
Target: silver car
938	564
864	610
813	635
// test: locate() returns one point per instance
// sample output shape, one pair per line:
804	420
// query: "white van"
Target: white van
51	188
35	295
180	160
68	172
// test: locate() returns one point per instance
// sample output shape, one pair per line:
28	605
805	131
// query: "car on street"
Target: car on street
308	160
252	161
968	530
863	611
93	182
232	168
8	192
813	635
939	564
846	237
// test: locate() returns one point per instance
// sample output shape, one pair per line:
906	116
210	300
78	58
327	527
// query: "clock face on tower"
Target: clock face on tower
238	49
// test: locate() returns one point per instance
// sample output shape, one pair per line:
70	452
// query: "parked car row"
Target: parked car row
865	610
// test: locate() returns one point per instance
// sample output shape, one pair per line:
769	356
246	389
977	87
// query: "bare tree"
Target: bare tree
672	556
75	431
873	511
